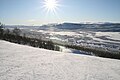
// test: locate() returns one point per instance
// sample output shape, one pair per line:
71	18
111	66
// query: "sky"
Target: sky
33	12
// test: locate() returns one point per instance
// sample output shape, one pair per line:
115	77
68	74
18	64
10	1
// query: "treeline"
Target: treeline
14	36
96	52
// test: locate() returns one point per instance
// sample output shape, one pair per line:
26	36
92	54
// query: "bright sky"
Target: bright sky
37	12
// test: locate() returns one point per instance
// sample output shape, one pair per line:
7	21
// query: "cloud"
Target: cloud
31	20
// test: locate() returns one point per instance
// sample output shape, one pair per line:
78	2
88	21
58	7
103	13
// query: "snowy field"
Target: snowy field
99	36
110	35
19	62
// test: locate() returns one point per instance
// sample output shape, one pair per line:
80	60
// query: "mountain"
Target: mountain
103	27
20	62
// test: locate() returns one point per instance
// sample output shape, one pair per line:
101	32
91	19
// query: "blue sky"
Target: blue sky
31	12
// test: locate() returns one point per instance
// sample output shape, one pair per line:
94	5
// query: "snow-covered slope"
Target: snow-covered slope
19	62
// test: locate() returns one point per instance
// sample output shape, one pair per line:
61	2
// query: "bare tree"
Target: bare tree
1	28
16	31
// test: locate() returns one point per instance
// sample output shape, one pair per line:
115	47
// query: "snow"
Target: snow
68	33
111	35
20	62
63	33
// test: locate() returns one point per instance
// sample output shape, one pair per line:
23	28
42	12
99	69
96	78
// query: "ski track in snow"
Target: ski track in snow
20	62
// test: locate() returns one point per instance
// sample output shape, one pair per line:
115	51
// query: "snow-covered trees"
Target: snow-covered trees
96	52
1	30
15	37
16	31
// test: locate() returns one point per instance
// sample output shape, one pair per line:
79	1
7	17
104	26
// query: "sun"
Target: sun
50	5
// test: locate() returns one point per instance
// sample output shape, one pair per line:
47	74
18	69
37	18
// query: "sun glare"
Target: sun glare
51	5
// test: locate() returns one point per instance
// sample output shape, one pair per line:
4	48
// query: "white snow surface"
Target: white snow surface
111	35
20	62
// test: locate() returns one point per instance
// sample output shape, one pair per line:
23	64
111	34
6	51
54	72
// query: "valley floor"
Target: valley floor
20	62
